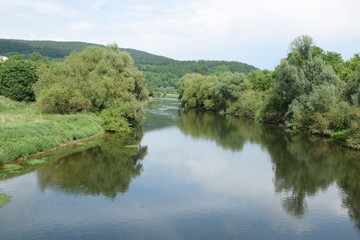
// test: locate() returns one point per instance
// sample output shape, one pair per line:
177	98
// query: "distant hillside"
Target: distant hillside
160	72
49	49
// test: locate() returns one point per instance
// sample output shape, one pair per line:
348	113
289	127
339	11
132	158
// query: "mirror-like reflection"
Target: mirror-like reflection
200	176
303	165
4	199
105	169
161	113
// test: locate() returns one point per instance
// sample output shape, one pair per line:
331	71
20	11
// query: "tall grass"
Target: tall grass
24	130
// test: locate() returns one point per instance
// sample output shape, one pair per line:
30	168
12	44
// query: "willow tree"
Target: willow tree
300	72
96	79
195	91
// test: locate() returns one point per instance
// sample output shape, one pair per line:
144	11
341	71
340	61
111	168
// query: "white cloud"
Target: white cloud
257	32
99	4
37	7
81	25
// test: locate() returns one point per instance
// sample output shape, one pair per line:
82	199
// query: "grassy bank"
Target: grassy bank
24	130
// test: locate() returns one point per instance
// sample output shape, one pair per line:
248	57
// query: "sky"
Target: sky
257	32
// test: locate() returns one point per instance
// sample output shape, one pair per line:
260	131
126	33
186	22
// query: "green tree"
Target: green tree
195	91
93	80
16	80
352	89
261	80
300	72
227	89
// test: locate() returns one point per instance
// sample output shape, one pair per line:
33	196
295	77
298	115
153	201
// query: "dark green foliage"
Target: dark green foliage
274	108
50	49
16	80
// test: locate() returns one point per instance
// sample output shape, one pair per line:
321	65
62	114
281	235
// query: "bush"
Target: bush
16	80
249	104
112	120
354	135
322	111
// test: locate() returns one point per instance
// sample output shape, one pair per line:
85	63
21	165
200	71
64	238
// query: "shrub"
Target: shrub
16	80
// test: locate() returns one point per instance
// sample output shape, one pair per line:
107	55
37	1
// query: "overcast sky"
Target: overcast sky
257	32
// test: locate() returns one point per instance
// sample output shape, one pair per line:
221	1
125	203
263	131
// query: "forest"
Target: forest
310	90
161	73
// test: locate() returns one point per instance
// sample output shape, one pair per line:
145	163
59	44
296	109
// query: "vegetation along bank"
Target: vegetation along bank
310	90
47	103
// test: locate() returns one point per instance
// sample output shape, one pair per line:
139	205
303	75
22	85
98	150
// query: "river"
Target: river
188	175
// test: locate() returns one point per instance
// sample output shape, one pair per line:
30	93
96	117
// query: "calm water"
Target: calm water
189	175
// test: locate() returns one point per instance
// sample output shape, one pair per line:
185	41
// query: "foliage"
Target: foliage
113	120
274	108
350	67
304	92
354	135
321	111
352	89
261	80
196	91
249	104
227	89
16	80
300	73
95	79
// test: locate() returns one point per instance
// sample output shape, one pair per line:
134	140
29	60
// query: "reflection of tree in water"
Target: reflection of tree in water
228	132
306	165
161	113
303	165
105	169
350	184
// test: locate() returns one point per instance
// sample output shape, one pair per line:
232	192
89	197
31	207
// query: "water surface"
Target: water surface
189	175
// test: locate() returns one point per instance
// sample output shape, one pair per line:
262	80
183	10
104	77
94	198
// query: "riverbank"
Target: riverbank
24	130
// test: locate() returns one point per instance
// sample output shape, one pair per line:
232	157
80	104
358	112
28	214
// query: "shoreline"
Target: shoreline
41	154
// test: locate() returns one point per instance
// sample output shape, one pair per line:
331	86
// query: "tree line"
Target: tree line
161	73
310	89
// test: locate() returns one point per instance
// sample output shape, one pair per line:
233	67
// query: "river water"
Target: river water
188	175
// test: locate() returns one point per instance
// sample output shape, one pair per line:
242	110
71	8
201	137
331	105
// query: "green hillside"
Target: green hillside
49	49
162	73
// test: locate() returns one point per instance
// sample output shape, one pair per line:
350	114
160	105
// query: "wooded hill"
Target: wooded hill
161	73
